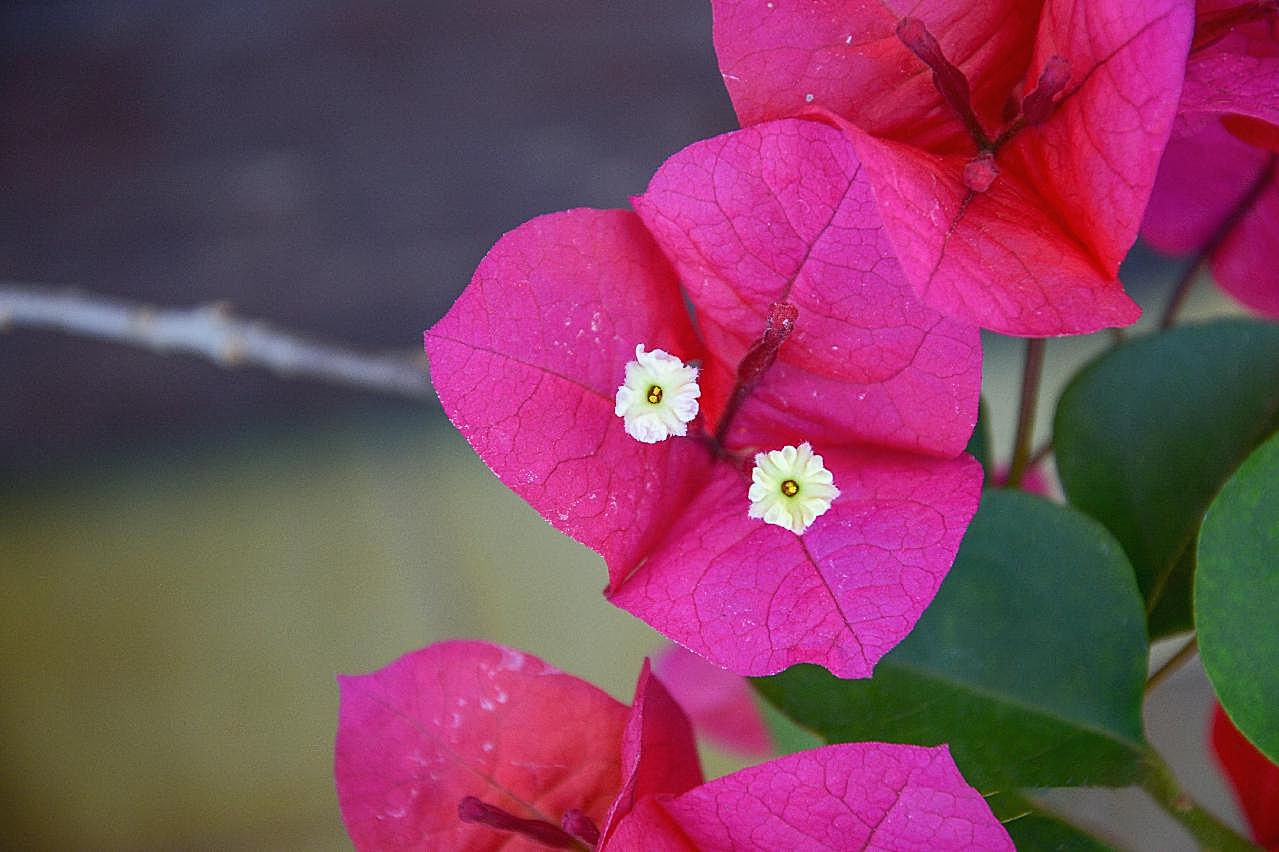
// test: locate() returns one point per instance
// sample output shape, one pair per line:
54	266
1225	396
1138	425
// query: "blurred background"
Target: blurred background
188	553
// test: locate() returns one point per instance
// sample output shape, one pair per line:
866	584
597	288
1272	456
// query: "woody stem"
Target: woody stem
1032	369
1160	783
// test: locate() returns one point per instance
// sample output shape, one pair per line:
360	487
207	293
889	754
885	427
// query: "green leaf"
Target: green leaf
979	445
1147	433
1030	663
1237	597
1035	829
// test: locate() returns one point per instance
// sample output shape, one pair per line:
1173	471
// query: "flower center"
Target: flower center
658	397
790	488
1035	109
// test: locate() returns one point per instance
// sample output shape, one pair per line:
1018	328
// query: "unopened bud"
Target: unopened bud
578	824
1038	105
949	80
980	172
472	810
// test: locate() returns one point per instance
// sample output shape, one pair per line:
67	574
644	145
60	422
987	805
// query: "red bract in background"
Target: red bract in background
1254	778
464	745
528	360
1013	178
1218	190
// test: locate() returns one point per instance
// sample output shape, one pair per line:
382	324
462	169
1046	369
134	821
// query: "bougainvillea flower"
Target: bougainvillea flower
1218	185
805	331
1254	779
720	704
469	722
463	745
1011	145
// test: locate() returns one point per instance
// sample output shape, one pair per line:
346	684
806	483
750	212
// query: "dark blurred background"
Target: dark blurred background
188	553
338	167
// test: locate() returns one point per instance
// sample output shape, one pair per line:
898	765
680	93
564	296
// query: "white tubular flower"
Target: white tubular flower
659	397
791	487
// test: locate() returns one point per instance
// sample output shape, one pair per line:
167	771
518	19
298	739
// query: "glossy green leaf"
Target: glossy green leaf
1146	435
1034	829
1030	663
1237	597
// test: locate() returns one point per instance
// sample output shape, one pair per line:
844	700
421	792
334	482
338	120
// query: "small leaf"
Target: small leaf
1030	663
1237	597
1146	435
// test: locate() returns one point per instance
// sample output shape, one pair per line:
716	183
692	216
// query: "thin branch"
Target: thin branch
1045	450
1031	371
212	332
1160	783
1184	654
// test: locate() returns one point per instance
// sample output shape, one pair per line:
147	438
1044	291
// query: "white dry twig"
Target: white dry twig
210	331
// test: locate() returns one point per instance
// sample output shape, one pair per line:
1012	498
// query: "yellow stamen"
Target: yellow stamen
790	487
655	394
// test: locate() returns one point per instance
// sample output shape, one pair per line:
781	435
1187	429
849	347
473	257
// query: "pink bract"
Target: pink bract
1037	252
855	796
468	718
468	728
720	704
1218	188
528	360
1218	192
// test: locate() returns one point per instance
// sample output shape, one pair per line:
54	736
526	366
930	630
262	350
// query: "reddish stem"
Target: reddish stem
761	355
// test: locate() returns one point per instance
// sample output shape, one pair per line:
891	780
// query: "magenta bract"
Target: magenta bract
1218	184
528	360
1011	182
464	719
853	796
464	745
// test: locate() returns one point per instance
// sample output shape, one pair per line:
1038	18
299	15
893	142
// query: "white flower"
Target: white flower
659	397
790	487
